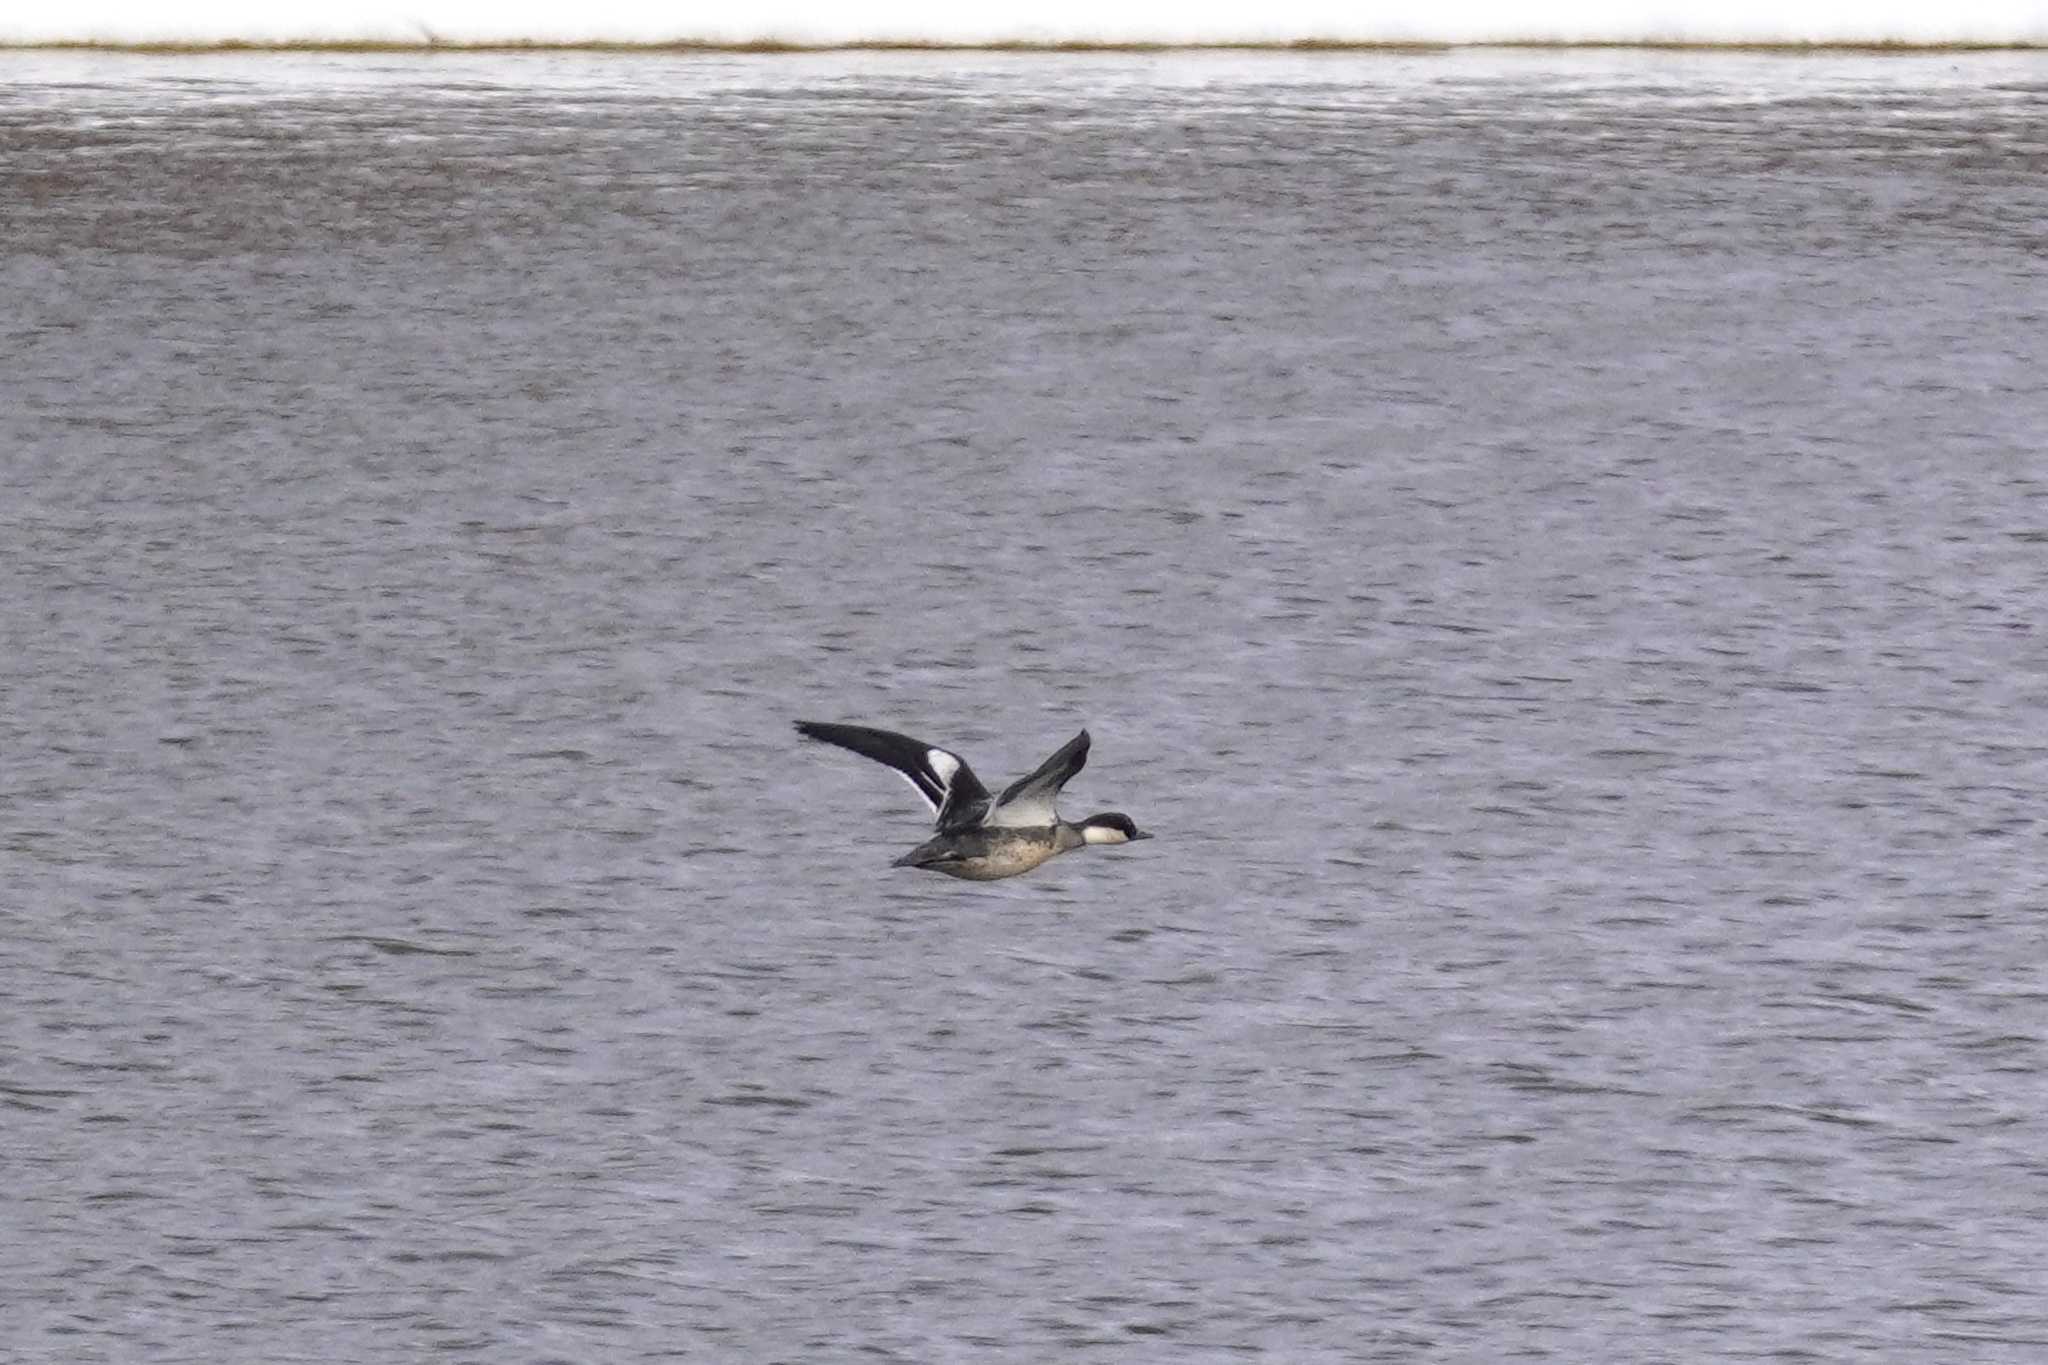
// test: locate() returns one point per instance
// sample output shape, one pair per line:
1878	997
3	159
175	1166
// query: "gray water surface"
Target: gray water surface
1554	545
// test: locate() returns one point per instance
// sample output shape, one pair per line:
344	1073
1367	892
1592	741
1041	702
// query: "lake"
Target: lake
1554	545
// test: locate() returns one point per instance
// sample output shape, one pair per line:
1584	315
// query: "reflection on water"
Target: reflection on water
1553	544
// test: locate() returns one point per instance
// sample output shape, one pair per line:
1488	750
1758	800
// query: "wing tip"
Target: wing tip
1078	746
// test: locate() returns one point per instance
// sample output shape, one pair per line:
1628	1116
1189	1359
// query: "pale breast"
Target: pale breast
1005	853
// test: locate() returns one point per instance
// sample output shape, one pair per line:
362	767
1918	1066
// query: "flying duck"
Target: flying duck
979	838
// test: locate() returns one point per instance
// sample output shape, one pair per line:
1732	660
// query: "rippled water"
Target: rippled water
1555	545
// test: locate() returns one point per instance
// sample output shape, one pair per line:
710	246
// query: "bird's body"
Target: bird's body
987	855
983	838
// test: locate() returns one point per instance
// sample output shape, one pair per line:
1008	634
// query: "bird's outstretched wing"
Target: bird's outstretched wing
941	777
1028	803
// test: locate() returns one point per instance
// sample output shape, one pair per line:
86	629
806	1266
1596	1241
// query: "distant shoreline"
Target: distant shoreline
430	45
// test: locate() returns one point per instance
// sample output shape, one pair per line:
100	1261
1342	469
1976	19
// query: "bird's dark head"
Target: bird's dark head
1111	827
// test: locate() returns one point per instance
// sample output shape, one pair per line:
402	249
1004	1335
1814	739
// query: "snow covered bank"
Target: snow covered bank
808	22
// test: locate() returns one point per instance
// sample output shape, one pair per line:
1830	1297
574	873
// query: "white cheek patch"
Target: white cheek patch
1102	834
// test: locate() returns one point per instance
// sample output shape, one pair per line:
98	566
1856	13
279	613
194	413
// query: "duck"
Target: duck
982	838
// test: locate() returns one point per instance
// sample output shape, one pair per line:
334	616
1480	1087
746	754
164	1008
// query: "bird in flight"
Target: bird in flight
981	838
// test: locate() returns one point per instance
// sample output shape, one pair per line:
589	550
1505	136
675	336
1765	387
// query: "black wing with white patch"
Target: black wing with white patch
1028	803
941	776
